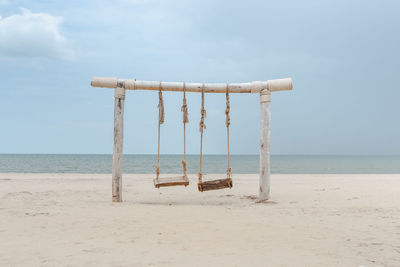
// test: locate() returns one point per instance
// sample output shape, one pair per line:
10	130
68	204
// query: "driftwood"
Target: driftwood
249	87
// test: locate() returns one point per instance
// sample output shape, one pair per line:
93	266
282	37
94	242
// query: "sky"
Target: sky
343	57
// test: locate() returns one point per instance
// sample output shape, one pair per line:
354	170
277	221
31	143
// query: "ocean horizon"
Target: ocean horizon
284	164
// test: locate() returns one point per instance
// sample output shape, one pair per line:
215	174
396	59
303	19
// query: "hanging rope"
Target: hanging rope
184	108
228	108
160	121
227	124
160	107
202	128
203	112
185	120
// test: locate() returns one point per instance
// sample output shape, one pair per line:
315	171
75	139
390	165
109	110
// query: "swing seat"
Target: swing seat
215	184
171	181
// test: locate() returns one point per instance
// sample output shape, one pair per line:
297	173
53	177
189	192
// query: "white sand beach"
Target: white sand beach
311	220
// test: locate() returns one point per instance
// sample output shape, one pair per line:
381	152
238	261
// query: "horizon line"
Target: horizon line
178	154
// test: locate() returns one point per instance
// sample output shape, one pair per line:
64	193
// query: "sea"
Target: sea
289	164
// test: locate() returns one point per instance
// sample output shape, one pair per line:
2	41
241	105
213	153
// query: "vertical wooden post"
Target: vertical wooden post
265	171
119	96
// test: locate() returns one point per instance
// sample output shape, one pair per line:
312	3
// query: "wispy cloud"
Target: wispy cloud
139	2
33	35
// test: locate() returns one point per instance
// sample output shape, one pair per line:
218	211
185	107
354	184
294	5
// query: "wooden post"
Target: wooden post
119	96
265	171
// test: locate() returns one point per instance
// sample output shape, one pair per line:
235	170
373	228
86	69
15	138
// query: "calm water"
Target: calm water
212	164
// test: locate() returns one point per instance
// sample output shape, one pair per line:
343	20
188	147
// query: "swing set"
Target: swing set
263	88
183	180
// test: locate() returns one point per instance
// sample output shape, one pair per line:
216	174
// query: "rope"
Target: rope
203	111
184	108
160	121
227	124
185	120
202	128
160	108
228	108
184	168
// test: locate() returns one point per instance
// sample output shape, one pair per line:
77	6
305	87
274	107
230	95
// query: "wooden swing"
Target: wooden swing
220	183
177	180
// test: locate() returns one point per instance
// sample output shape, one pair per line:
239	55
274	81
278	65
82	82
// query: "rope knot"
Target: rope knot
228	108
160	108
184	166
158	169
229	173
203	116
184	109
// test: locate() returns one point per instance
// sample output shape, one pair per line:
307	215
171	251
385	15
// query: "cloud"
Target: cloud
33	35
138	2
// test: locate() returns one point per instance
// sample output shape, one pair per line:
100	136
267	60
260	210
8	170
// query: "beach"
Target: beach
311	220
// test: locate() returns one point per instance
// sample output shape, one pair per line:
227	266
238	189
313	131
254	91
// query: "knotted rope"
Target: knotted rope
184	107
160	121
227	124
160	108
202	128
228	108
185	120
203	112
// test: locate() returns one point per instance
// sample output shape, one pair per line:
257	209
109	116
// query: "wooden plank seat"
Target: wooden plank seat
171	181
215	184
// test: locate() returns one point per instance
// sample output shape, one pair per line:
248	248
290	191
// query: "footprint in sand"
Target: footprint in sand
226	196
37	213
251	197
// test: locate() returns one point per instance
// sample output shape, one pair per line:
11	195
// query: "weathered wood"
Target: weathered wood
265	101
118	142
171	181
215	184
249	87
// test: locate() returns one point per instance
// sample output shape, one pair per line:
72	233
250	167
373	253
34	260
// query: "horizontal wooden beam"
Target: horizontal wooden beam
249	87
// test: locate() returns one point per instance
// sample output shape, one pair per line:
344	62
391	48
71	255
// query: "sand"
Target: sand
311	220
